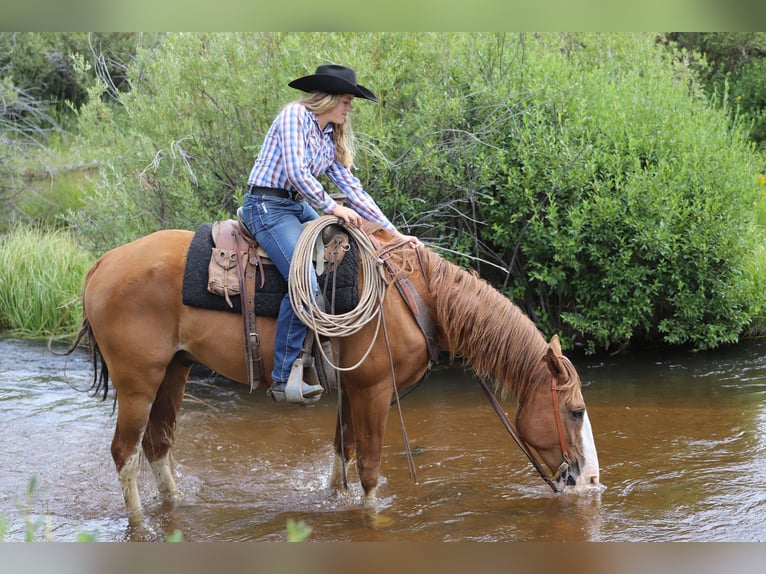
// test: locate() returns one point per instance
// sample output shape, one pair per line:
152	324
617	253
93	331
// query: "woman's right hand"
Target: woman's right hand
348	215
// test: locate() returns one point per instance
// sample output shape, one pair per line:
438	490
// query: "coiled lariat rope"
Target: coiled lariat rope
372	288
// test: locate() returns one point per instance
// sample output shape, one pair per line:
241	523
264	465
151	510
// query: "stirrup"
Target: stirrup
295	390
304	394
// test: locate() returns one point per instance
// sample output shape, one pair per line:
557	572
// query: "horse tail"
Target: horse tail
100	382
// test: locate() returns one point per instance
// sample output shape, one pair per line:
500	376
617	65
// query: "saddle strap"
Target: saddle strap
420	313
246	271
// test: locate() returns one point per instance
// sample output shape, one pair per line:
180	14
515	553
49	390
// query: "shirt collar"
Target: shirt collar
328	129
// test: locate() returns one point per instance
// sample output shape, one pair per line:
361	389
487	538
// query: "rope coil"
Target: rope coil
371	292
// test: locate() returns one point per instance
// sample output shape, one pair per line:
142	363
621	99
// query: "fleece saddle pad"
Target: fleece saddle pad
269	296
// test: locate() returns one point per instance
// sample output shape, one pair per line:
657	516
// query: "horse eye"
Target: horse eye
577	414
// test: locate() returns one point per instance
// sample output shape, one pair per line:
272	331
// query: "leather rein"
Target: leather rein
563	468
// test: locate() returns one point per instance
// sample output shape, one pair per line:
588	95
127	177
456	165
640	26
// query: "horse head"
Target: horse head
552	419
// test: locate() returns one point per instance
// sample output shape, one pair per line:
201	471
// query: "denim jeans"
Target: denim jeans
276	224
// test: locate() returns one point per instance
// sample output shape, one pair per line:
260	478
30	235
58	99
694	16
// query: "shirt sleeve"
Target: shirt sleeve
357	197
292	131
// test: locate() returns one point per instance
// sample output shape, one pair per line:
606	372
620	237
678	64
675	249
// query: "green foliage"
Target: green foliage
628	200
755	270
41	63
37	526
732	62
721	53
41	275
748	91
180	146
585	174
43	76
86	537
298	531
33	523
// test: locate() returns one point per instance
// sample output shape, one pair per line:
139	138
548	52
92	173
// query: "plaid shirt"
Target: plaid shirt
295	152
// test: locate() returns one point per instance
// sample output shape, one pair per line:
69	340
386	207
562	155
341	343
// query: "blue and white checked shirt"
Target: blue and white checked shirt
295	152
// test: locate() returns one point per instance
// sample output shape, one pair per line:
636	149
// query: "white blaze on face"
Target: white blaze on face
589	474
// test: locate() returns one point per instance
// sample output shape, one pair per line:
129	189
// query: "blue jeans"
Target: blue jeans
276	224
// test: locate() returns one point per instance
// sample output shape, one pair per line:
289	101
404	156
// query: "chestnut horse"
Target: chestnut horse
144	338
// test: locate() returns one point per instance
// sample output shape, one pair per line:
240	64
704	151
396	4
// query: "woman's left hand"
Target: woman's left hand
411	239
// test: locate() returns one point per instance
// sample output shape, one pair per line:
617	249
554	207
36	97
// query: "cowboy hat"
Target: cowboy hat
333	79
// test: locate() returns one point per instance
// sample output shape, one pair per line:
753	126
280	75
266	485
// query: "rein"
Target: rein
523	446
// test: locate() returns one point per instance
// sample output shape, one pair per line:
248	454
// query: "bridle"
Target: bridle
563	469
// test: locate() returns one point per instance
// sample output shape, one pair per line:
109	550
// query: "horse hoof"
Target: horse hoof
169	501
136	520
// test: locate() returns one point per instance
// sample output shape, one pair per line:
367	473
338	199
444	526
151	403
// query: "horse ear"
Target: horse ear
552	357
555	344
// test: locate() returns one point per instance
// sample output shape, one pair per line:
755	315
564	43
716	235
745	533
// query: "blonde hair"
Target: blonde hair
342	135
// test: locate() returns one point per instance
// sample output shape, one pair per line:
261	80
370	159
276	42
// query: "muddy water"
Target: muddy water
680	439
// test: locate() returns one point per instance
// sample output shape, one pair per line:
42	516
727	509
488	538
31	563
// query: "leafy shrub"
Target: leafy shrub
41	64
748	91
629	201
584	174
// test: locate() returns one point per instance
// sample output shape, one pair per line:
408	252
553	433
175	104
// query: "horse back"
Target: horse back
151	260
136	283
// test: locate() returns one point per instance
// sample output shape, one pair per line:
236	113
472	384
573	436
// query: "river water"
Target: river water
680	438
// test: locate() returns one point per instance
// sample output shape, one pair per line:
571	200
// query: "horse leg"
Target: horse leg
369	413
158	438
344	437
132	418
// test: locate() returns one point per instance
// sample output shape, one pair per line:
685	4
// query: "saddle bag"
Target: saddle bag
228	255
222	275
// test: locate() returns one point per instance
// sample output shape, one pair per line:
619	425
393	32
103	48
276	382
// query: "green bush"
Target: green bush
584	174
43	76
40	64
748	91
629	201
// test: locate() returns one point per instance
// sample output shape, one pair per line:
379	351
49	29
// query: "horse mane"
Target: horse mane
485	328
494	336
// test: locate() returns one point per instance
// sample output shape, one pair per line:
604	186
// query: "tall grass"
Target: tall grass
756	269
41	276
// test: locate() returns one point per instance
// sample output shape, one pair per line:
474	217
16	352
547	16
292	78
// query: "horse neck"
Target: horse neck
485	328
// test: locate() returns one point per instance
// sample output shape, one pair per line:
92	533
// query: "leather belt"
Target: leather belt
274	191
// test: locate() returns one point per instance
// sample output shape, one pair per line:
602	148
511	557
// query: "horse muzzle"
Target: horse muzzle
572	478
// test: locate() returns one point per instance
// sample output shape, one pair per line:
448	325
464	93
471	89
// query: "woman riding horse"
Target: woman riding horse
309	137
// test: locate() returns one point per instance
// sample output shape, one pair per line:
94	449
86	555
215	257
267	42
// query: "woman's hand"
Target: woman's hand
351	217
411	239
348	215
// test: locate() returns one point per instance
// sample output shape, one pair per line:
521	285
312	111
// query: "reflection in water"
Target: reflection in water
680	440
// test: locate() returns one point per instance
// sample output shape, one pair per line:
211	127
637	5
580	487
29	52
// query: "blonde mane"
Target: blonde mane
485	328
482	326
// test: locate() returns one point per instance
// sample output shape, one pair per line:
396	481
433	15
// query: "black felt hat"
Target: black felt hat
333	79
